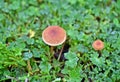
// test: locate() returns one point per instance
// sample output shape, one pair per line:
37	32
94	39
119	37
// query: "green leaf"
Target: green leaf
15	5
75	74
82	48
72	59
116	22
30	41
1	17
45	66
36	52
97	61
27	55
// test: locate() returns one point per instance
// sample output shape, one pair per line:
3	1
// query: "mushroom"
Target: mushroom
98	45
54	36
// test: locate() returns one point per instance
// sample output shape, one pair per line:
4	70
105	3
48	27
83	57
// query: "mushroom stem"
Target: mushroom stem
52	50
99	52
61	52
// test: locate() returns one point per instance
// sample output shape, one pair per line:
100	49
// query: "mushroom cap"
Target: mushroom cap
54	35
98	45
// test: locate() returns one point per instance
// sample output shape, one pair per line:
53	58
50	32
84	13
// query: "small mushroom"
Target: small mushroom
98	45
54	36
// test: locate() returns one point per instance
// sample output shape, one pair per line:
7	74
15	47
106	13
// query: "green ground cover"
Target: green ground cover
25	57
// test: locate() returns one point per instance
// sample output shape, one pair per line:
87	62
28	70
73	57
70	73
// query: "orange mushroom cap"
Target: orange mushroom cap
54	35
98	45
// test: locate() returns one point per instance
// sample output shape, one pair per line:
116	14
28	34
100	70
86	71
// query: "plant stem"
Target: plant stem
29	67
61	52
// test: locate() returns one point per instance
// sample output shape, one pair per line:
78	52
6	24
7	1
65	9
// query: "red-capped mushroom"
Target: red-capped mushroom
54	36
98	45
